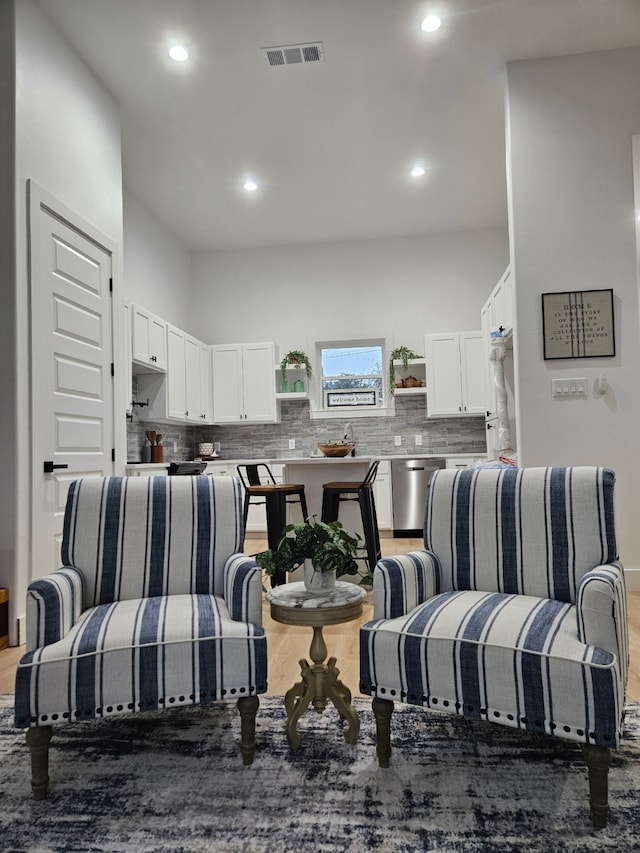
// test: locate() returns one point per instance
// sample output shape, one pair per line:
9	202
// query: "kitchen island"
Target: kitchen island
313	472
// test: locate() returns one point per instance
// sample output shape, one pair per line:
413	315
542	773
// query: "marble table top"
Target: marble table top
295	595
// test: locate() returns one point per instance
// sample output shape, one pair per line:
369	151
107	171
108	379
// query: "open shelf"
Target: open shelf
292	395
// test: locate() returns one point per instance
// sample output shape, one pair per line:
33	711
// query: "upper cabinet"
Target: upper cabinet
148	341
244	385
497	326
188	378
496	316
456	374
497	312
184	392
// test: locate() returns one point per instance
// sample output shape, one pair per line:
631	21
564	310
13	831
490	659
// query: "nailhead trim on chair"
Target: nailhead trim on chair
468	710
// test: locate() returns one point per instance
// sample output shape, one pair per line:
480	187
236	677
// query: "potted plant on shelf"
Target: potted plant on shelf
297	359
403	354
326	551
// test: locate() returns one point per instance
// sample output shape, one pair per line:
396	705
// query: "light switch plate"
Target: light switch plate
397	440
569	387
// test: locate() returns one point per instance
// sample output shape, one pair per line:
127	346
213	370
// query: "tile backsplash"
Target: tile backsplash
373	436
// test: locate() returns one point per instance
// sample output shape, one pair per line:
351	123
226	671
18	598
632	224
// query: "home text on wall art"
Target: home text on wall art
578	324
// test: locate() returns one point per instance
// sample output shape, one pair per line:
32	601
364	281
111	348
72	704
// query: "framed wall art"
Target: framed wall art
578	324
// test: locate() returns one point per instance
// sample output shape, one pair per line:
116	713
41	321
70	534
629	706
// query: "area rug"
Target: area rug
174	781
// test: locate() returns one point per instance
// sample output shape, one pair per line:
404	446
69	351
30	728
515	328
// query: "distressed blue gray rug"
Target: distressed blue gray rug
174	781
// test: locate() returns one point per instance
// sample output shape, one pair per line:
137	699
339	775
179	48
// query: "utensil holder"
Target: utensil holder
157	453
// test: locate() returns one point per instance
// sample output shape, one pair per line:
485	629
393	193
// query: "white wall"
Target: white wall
9	430
571	120
405	286
157	265
67	131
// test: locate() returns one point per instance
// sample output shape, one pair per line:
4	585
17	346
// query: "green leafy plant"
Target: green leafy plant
328	545
403	354
295	358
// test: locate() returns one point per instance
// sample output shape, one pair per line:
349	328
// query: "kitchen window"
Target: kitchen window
351	380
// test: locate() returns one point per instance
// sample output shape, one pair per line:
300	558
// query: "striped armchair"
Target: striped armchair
515	613
154	607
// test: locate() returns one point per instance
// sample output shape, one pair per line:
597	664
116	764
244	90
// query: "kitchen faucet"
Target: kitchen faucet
348	431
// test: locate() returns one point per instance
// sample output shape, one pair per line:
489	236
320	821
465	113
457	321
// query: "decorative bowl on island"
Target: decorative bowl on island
336	448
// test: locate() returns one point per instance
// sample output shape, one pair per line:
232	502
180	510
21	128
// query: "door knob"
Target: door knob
49	467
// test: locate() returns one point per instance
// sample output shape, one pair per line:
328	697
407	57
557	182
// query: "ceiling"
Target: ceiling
330	143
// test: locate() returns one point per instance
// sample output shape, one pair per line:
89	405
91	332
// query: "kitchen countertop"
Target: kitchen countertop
314	460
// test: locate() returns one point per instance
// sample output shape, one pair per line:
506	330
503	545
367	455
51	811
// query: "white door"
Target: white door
72	428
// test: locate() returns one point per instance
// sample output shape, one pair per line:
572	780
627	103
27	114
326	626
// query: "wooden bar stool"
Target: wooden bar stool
334	493
259	482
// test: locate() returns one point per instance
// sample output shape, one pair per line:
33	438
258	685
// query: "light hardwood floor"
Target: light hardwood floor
287	644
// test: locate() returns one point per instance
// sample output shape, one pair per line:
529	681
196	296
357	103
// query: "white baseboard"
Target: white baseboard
632	577
22	630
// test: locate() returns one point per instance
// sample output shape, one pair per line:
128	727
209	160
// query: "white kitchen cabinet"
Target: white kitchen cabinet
459	462
497	315
456	374
500	304
382	496
175	383
243	379
151	469
148	341
493	438
221	469
128	373
206	391
180	394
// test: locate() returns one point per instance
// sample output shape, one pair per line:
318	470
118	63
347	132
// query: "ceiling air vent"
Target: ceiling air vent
293	54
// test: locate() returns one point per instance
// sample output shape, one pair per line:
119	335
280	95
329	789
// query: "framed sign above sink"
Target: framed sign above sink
350	399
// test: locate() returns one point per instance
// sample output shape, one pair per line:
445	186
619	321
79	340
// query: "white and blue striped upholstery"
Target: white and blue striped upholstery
154	607
515	612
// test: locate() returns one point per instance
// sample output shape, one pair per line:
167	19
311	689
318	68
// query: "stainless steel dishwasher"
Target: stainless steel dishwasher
409	479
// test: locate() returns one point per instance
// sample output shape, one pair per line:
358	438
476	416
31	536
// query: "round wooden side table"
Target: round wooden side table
291	604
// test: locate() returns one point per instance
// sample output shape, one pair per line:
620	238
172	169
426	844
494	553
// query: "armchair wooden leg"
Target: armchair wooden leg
598	760
248	707
383	709
38	740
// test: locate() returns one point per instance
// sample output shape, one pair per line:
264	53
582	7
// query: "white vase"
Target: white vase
318	582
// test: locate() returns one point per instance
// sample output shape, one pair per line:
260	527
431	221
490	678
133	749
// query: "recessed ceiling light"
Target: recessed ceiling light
417	171
179	53
431	23
250	185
